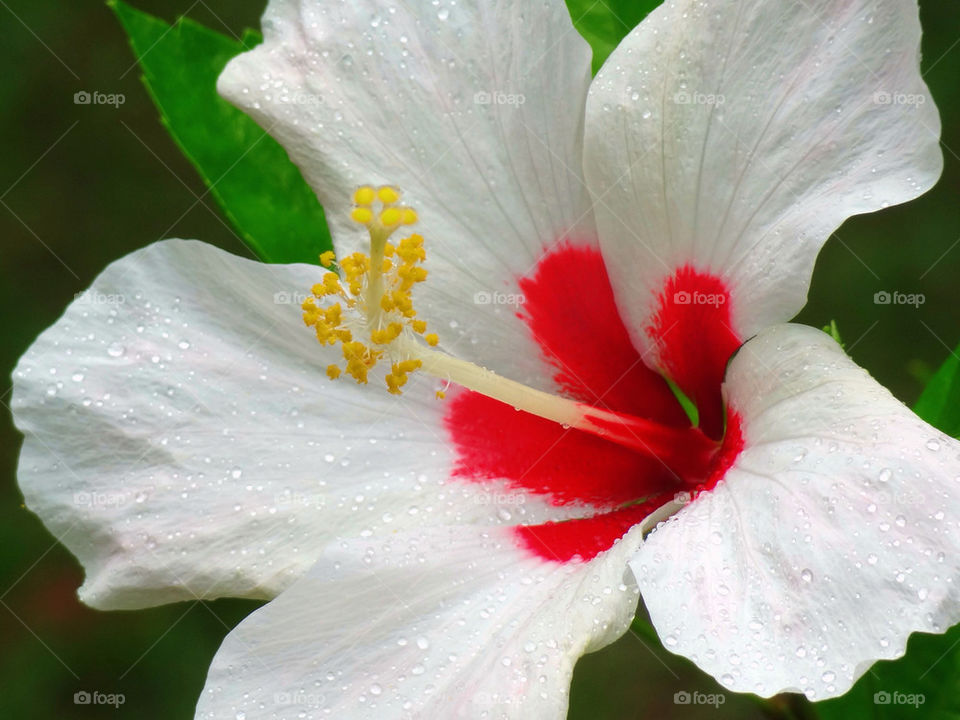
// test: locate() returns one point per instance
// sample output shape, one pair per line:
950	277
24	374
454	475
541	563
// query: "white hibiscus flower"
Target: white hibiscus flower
583	241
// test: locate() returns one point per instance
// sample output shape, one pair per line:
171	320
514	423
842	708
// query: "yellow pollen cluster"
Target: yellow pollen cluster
376	288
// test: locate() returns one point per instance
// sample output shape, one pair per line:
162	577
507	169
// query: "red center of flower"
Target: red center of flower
582	336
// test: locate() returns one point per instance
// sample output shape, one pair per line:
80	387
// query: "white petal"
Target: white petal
736	135
183	440
439	624
474	110
834	535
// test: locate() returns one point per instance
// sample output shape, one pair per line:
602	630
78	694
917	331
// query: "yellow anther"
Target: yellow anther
441	394
408	366
362	215
388	195
375	307
333	315
364	195
390	217
393	384
387	335
329	286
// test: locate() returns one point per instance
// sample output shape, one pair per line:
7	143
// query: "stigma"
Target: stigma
364	305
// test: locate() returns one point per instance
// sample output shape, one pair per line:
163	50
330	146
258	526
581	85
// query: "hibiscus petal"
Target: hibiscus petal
182	439
732	138
475	111
833	536
439	624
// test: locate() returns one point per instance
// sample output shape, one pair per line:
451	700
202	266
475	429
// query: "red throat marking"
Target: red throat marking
583	337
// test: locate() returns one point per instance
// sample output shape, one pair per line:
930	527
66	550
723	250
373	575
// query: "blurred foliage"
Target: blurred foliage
249	174
939	404
82	185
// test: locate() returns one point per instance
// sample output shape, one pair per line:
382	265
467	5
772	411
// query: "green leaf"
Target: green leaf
939	404
604	23
260	190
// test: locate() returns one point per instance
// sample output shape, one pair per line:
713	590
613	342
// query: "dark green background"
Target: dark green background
83	185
